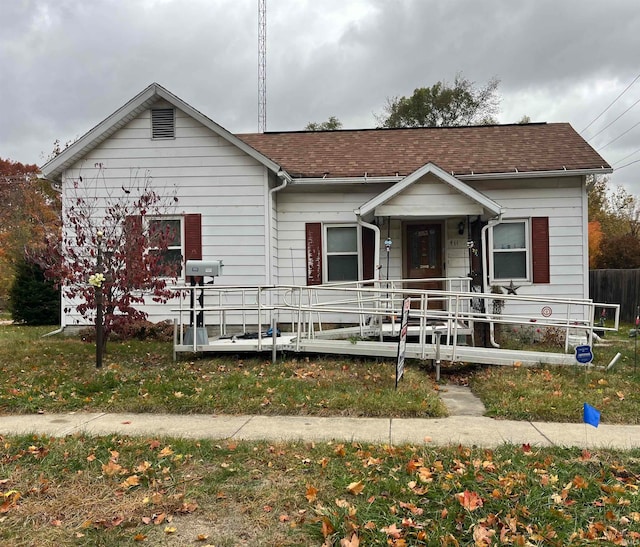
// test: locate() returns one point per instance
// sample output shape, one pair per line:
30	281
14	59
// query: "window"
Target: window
163	123
341	251
510	250
167	230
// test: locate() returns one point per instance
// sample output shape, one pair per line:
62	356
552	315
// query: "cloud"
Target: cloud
67	64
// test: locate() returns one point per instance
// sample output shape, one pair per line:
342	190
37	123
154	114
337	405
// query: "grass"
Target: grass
557	393
57	374
118	490
115	490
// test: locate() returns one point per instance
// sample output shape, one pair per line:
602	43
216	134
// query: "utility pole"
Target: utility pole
262	66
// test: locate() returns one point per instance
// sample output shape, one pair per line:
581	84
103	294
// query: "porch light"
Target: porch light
387	244
460	228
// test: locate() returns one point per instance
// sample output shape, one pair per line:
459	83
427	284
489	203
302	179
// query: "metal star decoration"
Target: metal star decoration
511	288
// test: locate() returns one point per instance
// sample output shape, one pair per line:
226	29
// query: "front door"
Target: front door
422	255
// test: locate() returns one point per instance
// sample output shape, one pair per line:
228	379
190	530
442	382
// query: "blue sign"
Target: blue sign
584	354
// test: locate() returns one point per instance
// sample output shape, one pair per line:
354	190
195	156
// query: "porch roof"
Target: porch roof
461	151
477	197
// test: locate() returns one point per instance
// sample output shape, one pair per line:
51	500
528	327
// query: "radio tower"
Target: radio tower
262	66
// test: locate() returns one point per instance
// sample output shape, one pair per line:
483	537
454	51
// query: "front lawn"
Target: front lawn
115	490
557	394
58	374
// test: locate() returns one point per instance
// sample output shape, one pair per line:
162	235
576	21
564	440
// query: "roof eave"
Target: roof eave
537	174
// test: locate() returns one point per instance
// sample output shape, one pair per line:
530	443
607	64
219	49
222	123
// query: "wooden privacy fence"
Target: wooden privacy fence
616	287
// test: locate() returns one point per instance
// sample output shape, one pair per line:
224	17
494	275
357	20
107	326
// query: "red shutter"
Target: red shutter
368	253
313	242
193	236
540	249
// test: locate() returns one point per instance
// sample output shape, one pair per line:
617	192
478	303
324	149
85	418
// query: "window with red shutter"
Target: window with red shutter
519	250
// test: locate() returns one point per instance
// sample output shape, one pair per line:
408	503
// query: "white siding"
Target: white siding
429	197
213	178
562	200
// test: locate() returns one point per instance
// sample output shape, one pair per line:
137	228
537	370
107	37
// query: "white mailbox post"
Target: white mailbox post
196	271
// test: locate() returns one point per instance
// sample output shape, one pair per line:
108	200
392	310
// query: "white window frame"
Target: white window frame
180	218
527	250
326	254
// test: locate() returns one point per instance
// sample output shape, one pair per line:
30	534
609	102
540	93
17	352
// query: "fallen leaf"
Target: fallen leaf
159	519
111	468
130	482
166	451
327	527
311	494
353	541
392	531
355	488
170	530
469	500
139	537
202	537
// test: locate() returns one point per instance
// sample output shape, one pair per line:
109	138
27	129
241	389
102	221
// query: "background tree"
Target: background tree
30	214
444	105
331	124
134	258
33	299
614	226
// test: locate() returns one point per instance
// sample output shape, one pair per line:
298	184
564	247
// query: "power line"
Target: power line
627	165
620	135
627	156
614	121
610	105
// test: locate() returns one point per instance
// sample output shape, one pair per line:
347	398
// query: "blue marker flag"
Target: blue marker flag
591	415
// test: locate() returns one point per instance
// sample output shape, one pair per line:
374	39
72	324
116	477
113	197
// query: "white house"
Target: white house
504	204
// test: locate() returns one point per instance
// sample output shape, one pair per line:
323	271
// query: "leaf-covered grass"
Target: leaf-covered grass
557	394
116	490
57	374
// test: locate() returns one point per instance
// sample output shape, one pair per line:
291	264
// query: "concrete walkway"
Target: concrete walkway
467	430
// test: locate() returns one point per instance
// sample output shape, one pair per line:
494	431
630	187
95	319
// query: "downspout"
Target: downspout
376	254
376	245
485	269
286	179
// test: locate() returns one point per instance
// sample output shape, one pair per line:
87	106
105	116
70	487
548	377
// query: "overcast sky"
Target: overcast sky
65	65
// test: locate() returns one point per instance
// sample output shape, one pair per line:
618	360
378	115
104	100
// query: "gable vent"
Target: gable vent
163	125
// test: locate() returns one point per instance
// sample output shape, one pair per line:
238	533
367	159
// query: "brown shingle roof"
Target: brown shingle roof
457	150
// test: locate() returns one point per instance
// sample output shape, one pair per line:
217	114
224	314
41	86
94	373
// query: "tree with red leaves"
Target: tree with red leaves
124	227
